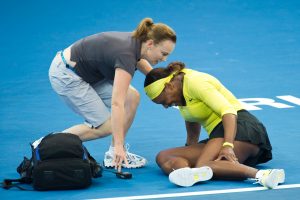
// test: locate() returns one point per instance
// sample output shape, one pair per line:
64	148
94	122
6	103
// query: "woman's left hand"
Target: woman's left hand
227	153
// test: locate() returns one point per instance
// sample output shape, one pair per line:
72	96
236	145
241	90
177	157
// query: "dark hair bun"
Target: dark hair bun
175	66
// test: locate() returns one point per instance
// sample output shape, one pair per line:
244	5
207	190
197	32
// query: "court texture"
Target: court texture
252	47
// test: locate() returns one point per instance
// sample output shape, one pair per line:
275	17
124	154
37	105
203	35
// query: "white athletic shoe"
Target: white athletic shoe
134	161
281	178
270	178
189	176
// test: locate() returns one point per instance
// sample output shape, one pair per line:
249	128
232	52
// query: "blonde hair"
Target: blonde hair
158	32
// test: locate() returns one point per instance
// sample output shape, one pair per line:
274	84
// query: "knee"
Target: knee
168	162
161	158
134	97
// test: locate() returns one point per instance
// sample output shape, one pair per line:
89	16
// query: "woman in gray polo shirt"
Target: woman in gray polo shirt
93	77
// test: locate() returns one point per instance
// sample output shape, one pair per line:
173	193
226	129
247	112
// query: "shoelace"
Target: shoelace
126	147
129	155
256	180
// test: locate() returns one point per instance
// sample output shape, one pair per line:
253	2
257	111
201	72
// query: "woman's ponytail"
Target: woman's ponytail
158	32
144	27
175	67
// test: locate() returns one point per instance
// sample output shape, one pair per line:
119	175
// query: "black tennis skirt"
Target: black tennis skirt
249	129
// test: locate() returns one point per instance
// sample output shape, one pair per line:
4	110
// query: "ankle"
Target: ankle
250	172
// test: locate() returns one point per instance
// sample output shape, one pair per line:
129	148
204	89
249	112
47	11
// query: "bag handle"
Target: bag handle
9	183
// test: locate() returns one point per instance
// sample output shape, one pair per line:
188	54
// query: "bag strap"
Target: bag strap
25	168
9	183
96	168
25	171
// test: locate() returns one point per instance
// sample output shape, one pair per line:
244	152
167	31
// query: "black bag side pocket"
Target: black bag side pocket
60	174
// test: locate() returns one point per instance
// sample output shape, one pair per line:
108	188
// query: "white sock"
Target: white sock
111	148
260	173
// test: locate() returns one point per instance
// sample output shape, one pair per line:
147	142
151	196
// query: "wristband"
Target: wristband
228	144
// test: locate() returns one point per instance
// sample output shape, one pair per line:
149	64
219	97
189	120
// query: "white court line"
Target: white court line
185	194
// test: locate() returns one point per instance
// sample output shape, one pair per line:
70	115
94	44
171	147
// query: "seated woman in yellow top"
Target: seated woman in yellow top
237	140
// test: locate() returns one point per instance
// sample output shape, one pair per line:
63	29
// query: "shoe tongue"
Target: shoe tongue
126	147
111	148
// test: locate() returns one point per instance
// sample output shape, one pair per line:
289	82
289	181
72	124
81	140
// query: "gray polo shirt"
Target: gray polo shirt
97	56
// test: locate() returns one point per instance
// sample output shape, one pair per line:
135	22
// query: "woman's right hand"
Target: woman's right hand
227	153
119	157
120	88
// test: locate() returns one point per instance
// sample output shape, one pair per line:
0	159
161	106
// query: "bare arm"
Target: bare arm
120	87
193	132
229	124
144	66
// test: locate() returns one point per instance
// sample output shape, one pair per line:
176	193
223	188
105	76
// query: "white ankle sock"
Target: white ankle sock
111	148
260	173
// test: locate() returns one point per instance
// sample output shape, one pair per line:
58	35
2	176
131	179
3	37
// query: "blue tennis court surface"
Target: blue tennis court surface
253	47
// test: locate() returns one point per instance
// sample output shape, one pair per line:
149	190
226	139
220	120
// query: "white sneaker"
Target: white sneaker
134	161
189	176
281	178
271	178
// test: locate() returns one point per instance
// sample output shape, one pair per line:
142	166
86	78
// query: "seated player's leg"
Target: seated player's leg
175	158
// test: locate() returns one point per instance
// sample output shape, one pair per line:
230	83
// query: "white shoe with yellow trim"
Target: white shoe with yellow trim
270	178
186	177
